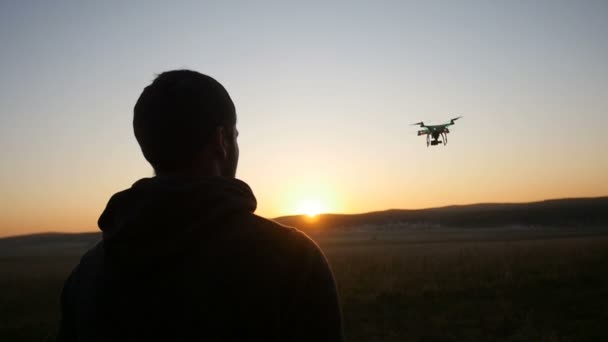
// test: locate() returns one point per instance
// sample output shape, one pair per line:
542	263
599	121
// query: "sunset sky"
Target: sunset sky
325	95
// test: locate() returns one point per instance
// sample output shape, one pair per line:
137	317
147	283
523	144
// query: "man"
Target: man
183	257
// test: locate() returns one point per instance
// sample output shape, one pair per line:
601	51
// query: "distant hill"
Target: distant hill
570	212
574	212
48	243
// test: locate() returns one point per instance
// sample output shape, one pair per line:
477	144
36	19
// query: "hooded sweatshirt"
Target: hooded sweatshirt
186	259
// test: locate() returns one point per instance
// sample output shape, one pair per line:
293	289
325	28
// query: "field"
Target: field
419	285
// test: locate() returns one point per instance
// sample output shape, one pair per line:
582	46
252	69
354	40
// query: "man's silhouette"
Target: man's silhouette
183	257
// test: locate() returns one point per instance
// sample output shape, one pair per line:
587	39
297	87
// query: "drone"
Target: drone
435	131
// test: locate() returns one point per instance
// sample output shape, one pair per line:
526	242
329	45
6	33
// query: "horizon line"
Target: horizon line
341	214
447	206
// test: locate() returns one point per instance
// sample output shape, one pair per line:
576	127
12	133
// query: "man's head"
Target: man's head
185	124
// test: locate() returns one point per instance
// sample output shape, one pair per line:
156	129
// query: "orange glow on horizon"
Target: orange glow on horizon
311	208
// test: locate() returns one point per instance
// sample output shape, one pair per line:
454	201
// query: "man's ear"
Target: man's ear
221	141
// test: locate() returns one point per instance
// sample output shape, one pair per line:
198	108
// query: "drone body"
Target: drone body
434	132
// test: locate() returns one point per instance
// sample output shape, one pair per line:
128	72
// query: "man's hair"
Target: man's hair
175	116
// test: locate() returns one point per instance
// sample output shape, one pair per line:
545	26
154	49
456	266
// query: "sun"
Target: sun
311	208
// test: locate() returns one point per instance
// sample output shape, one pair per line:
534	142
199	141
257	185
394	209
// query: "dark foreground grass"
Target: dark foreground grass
553	290
392	290
29	296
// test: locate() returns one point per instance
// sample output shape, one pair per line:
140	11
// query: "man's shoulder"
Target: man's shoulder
91	260
266	226
290	237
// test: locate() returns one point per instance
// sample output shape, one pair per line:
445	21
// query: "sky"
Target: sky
326	92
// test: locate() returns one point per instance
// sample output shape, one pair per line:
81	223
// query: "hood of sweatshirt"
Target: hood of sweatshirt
159	218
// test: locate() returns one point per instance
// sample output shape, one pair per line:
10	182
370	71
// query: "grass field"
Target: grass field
453	285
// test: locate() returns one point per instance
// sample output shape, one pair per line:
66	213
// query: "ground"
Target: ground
418	285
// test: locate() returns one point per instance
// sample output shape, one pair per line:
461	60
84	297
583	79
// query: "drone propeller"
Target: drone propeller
454	119
418	124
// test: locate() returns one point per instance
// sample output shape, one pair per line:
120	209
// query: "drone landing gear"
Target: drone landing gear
445	138
428	140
